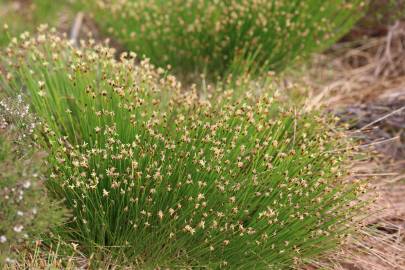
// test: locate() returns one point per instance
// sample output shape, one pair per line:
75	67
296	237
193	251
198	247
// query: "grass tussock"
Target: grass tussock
219	37
18	16
167	179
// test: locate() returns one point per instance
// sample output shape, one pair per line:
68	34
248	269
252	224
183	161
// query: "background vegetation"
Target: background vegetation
26	211
219	37
19	16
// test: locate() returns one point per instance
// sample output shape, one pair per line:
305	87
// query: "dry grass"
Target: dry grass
358	73
364	83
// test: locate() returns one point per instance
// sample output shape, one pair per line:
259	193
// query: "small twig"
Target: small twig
380	142
375	174
382	118
75	31
386	53
389	41
363	145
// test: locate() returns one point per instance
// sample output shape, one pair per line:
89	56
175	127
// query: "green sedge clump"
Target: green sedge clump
164	178
17	16
220	37
26	210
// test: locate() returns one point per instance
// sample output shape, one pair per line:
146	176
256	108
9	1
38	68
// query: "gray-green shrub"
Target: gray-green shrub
26	211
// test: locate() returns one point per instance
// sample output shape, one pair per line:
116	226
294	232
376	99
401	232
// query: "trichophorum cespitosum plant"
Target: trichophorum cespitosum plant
220	37
161	177
18	16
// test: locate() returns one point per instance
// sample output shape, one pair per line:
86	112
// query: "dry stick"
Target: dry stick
396	179
376	253
389	41
375	174
380	142
382	118
362	145
387	59
74	33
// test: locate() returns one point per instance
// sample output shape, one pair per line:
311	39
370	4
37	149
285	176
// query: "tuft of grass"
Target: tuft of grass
220	37
162	178
26	210
18	16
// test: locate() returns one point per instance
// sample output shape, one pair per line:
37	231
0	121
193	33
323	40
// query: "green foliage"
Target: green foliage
218	37
26	212
25	15
165	178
